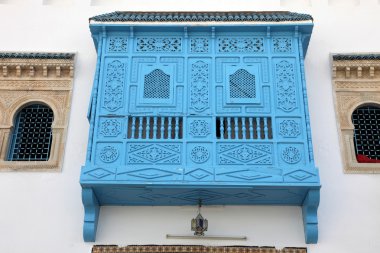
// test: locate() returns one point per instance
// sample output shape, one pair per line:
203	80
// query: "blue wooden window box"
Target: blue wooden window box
200	106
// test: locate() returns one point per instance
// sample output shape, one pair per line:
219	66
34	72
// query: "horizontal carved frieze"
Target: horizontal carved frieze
357	85
36	84
36	70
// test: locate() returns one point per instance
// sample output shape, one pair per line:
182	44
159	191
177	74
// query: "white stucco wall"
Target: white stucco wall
43	213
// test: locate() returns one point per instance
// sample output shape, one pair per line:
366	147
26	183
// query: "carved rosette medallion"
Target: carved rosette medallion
199	154
291	155
286	87
108	154
282	45
118	45
199	45
289	128
199	87
113	94
110	128
199	128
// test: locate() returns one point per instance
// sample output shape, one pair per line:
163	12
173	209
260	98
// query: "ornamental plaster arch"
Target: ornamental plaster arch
27	100
356	105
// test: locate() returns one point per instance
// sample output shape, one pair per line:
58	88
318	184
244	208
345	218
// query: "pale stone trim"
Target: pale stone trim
25	81
192	249
355	83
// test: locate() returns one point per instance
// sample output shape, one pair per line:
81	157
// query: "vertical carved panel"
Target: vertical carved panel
286	86
114	86
199	86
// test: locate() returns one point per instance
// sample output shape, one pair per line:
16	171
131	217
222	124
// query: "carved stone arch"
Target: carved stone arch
28	100
356	105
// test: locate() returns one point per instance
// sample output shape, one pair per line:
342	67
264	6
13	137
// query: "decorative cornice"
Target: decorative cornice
35	55
243	16
352	57
191	248
31	65
357	66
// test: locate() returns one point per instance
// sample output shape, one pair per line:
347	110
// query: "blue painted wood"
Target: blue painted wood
91	214
181	113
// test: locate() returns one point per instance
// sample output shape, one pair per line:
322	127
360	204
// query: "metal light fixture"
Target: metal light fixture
199	224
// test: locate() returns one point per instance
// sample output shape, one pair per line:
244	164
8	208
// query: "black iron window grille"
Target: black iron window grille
366	120
32	134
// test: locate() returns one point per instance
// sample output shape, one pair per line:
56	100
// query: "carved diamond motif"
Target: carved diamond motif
99	173
199	174
247	175
151	173
246	154
251	196
196	195
300	175
154	154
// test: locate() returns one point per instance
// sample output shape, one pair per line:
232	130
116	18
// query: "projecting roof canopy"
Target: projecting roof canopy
238	17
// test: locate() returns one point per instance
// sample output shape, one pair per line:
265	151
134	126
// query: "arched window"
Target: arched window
157	85
242	85
366	120
32	135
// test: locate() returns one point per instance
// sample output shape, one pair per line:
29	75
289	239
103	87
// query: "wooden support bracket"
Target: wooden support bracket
91	214
310	218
